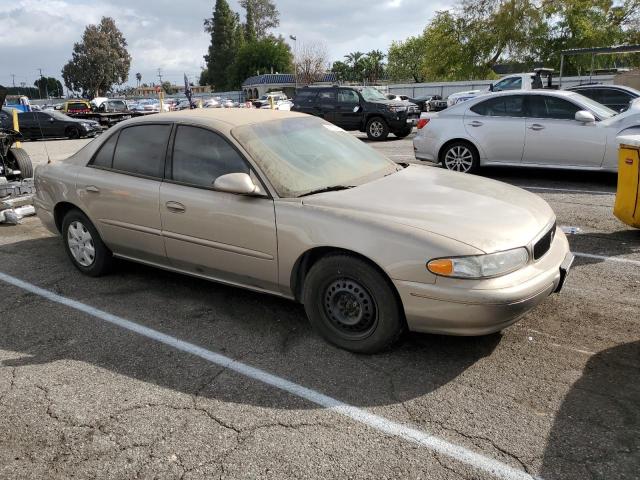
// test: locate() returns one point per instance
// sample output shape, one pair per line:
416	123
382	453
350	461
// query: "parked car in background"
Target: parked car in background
459	97
54	124
306	211
536	128
430	103
113	105
76	106
358	108
212	103
616	97
266	99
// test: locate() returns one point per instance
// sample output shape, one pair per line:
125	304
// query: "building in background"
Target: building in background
255	87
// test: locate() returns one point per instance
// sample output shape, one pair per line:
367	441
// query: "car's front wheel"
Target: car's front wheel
377	129
352	305
84	246
460	157
73	133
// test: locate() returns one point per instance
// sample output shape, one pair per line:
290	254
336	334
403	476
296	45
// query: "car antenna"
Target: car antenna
46	150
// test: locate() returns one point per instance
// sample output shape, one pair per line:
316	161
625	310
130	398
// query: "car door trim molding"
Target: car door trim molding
130	226
217	245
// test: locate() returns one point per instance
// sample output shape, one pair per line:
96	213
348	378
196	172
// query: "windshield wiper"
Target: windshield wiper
333	188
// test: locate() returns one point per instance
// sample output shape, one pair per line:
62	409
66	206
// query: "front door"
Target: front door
325	106
498	127
120	191
348	113
222	235
555	138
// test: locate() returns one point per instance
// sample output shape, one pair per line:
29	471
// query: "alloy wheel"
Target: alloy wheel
376	128
459	159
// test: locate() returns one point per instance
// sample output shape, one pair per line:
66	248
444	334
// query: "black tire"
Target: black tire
403	133
73	133
352	305
377	129
103	259
460	156
22	162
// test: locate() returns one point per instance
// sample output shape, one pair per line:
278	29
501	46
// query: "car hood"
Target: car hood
485	214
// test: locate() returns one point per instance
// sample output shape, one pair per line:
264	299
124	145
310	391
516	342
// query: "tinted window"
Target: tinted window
141	150
514	83
506	106
589	93
104	157
302	94
327	95
200	156
348	96
609	96
541	106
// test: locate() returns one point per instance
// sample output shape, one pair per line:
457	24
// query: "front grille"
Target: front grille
543	245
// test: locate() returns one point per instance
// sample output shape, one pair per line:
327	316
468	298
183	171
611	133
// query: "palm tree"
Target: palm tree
373	66
354	60
139	78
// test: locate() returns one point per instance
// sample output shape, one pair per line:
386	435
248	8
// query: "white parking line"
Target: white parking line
382	424
572	190
607	259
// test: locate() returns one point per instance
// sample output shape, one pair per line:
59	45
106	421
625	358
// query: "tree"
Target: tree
139	78
373	66
354	60
49	86
342	71
223	28
167	87
407	60
263	56
312	60
265	16
250	26
99	61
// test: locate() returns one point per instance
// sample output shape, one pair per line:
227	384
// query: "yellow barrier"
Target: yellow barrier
16	126
627	206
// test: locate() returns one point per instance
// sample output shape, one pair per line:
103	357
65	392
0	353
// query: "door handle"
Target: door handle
476	123
175	207
92	189
536	127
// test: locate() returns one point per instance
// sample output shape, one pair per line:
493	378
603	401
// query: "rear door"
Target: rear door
223	235
555	138
120	191
497	125
348	115
325	104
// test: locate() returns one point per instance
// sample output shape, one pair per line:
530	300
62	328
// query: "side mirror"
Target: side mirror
239	183
585	117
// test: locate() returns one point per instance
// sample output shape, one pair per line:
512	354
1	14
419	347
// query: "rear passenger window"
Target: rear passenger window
505	106
200	156
104	157
141	150
327	95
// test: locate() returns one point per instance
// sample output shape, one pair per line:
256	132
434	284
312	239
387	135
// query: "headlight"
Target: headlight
86	125
480	266
397	108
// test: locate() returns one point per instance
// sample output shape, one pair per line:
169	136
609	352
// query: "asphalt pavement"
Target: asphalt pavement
149	374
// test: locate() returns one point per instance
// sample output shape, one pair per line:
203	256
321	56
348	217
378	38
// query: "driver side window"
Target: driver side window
200	156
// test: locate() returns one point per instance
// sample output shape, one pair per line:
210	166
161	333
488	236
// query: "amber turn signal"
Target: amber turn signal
441	266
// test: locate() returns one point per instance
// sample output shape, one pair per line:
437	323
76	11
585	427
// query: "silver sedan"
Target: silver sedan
543	128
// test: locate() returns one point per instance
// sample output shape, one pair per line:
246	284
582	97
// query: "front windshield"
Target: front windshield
597	108
371	94
301	155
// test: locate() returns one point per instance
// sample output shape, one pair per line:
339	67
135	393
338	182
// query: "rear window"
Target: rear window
104	157
504	106
141	150
76	106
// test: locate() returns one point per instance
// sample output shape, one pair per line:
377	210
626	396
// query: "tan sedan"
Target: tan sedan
288	204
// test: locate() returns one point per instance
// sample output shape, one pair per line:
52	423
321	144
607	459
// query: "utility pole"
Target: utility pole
46	87
13	79
295	57
160	76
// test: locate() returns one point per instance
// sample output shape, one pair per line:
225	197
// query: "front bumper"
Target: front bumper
449	308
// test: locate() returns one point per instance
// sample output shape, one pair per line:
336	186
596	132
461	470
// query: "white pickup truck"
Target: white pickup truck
539	78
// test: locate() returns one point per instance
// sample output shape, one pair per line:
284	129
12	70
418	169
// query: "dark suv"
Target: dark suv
358	108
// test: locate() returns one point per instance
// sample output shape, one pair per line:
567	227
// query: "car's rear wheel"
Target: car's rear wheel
352	305
377	129
460	157
84	246
22	161
73	133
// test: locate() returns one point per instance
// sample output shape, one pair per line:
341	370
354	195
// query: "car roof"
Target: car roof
216	117
602	85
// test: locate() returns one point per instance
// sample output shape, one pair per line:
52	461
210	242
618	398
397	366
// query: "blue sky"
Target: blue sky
167	34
